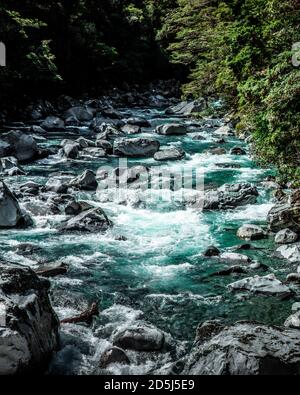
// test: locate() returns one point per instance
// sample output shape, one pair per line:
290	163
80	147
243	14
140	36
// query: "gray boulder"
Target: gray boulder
187	108
291	252
131	129
70	150
9	167
284	216
28	324
225	130
11	215
171	129
251	232
285	236
19	145
246	348
138	121
75	115
93	220
113	355
172	153
53	123
136	147
86	181
56	185
139	337
230	196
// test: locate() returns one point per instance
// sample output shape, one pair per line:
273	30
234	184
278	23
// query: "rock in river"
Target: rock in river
136	147
28	324
86	181
251	232
113	355
93	220
284	216
285	236
246	348
140	337
171	129
20	145
172	153
291	252
53	123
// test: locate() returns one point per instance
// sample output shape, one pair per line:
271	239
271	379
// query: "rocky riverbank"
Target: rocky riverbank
155	266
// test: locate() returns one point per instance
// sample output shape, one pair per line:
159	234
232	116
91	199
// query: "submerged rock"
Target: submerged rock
230	196
28	324
246	348
113	355
93	220
266	285
251	232
11	215
140	337
171	129
211	251
136	147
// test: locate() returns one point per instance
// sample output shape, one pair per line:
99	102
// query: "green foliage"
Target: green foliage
241	50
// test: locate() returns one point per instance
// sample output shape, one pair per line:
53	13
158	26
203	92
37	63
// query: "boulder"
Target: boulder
237	151
291	252
139	337
266	285
293	278
11	215
246	348
9	167
85	143
234	257
216	151
284	216
138	121
108	132
285	236
230	196
28	324
105	145
136	147
251	232
169	129
113	355
93	220
53	123
187	108
225	130
172	153
211	251
78	114
131	129
52	270
71	150
293	321
86	181
56	185
19	145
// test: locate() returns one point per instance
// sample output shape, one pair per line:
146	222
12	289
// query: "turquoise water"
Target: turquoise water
158	271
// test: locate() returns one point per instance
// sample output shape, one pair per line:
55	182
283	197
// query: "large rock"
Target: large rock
78	114
71	150
56	185
171	129
266	285
138	121
113	355
187	108
291	252
86	181
284	216
136	147
93	220
19	145
234	257
53	123
246	348
28	324
9	167
251	232
11	215
230	196
285	236
140	337
293	321
225	130
172	153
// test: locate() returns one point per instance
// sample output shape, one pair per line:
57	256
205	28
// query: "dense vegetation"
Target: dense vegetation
242	50
236	49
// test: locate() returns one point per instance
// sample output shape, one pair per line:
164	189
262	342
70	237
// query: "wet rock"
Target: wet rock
139	337
234	257
19	145
111	113
216	151
293	278
26	249
187	108
198	137
113	355
285	236
86	181
230	196
266	285
293	321
225	130
284	216
36	129
211	251
169	129
9	167
52	270
108	132
11	215
251	232
131	129
237	151
291	252
56	185
207	330
93	220
172	153
75	115
84	143
93	152
136	147
70	150
246	348
236	269
53	123
28	324
105	145
138	121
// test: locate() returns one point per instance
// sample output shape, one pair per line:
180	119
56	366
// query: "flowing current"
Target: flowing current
149	267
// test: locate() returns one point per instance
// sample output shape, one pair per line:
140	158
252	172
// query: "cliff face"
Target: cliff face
28	324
